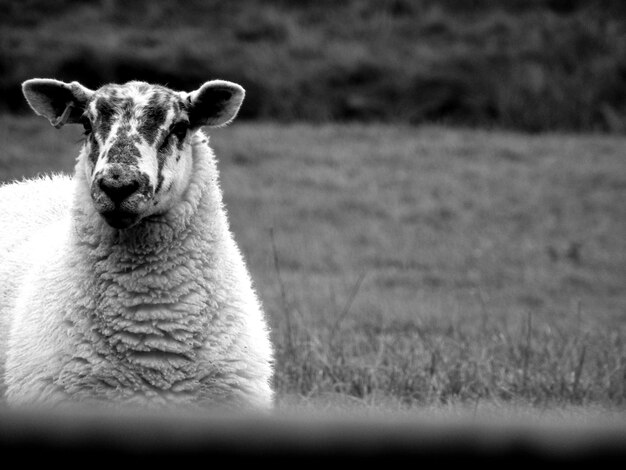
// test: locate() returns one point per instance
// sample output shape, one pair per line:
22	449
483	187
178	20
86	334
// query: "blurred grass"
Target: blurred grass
419	265
531	65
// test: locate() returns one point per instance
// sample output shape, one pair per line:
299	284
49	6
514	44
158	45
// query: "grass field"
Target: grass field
419	266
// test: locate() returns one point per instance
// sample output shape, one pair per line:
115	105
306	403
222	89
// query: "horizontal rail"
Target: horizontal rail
306	439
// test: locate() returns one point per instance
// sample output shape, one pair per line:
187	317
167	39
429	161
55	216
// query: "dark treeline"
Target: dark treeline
532	65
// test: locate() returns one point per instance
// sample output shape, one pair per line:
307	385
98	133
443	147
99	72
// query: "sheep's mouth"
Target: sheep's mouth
120	219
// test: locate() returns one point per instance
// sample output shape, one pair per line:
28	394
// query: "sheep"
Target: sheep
123	285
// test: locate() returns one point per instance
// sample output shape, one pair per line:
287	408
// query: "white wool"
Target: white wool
155	315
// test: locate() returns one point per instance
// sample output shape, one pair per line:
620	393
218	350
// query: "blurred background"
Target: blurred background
430	194
532	65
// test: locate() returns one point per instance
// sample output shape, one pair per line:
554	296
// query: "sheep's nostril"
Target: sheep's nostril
117	190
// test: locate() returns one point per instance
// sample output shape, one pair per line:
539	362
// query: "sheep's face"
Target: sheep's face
137	150
137	155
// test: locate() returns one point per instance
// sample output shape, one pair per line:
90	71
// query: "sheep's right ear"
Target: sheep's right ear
59	102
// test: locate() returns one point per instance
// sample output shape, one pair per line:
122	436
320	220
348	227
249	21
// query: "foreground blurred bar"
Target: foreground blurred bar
32	436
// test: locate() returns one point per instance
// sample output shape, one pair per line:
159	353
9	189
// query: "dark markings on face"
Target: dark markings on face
179	106
110	107
160	185
124	150
94	151
144	184
153	118
106	110
155	114
162	155
128	107
143	88
179	145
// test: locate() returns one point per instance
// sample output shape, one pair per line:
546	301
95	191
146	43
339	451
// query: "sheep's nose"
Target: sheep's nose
117	188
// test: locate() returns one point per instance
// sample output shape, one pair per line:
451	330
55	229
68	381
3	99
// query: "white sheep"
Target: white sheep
123	284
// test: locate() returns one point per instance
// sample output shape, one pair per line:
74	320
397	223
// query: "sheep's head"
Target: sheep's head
137	149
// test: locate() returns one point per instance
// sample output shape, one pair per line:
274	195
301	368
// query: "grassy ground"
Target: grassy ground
404	266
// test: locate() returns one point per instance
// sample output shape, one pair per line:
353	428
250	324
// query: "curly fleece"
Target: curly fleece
160	314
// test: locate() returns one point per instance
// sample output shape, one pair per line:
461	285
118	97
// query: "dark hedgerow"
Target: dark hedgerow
530	65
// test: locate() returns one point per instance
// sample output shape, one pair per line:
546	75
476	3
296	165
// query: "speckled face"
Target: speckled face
137	155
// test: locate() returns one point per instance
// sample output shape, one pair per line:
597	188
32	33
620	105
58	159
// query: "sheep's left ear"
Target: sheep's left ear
215	103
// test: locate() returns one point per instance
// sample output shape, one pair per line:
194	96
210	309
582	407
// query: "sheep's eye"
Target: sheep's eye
180	129
86	125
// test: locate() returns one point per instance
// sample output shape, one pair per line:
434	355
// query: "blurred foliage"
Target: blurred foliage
533	65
